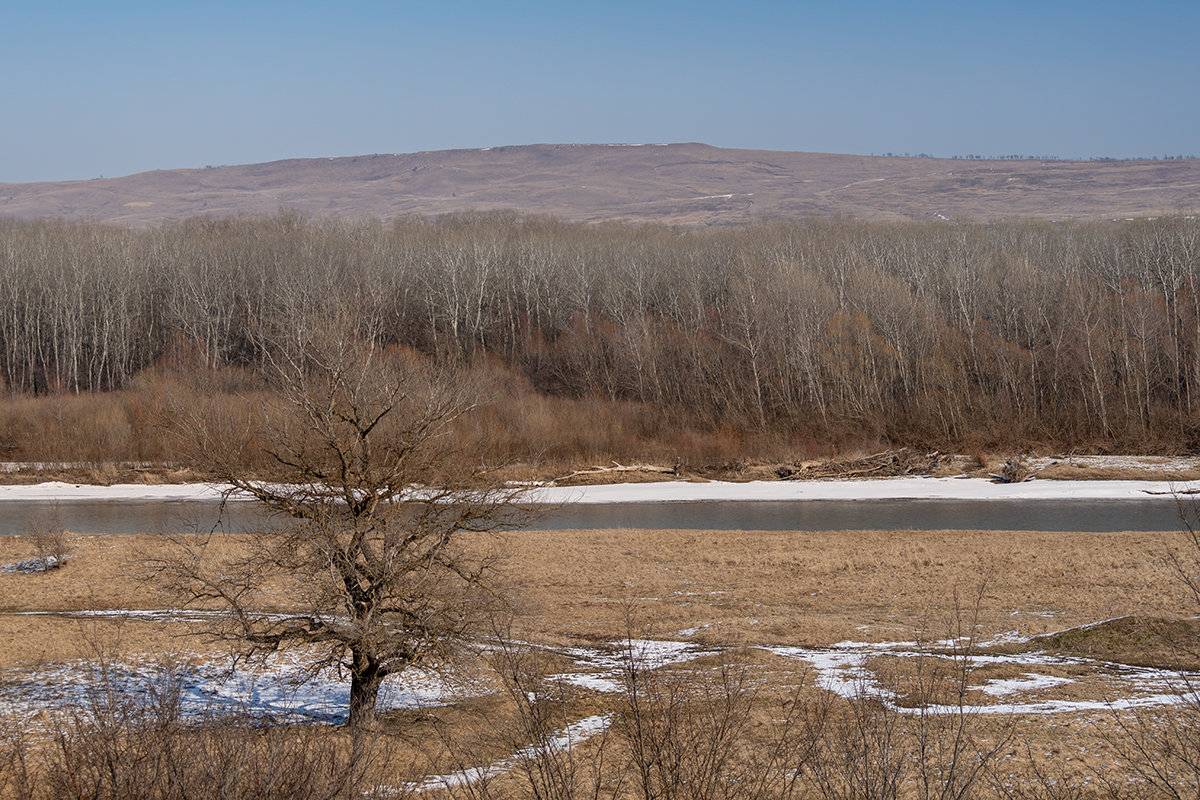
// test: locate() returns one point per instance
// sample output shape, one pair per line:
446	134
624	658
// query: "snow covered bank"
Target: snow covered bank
57	491
683	491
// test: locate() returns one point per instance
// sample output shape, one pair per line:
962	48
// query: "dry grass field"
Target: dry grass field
739	600
737	587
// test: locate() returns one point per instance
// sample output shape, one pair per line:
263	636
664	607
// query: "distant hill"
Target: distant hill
687	184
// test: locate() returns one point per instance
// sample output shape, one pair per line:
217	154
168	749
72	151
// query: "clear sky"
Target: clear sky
96	89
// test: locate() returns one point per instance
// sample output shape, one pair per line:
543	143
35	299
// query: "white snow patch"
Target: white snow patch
997	687
842	670
909	488
590	681
838	671
1008	637
56	490
573	734
1063	706
282	688
1163	464
601	670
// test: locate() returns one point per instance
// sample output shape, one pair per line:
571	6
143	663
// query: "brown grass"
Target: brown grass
741	588
737	586
1140	640
818	588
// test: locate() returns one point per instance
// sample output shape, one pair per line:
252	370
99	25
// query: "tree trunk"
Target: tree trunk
365	679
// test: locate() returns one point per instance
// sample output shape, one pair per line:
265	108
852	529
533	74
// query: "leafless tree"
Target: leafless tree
374	573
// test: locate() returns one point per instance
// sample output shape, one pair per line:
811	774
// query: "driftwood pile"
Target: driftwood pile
889	463
585	474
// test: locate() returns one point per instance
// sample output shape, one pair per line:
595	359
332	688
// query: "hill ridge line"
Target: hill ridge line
670	183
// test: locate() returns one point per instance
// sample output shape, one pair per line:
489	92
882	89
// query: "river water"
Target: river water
175	516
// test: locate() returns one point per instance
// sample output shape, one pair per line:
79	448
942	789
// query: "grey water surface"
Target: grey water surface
160	516
1150	514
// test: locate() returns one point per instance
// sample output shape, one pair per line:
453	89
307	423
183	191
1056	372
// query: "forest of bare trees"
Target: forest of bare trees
942	333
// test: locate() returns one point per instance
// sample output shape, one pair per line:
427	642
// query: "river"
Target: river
173	516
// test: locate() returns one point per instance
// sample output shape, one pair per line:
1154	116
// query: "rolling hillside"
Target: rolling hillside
687	184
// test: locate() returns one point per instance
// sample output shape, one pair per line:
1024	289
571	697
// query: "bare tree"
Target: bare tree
373	574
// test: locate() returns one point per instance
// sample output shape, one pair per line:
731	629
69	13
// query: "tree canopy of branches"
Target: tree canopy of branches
1073	333
374	571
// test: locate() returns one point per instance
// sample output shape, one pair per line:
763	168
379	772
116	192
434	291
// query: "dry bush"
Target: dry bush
20	769
979	460
105	436
529	743
859	752
1037	780
868	747
62	428
1159	748
718	729
679	733
693	734
51	545
914	733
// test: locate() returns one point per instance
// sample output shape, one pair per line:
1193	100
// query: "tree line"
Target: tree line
945	333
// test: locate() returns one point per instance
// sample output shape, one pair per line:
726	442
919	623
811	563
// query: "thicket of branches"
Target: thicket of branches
1078	334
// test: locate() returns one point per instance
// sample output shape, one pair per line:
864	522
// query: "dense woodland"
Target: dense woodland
950	334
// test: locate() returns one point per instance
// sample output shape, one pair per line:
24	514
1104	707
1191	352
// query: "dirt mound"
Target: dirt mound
1135	640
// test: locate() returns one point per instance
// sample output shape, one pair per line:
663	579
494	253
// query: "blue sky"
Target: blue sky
104	89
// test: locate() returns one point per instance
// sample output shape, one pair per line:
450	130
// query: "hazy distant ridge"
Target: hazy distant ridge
692	184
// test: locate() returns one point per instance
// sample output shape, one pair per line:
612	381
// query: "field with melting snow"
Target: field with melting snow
282	689
1063	627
